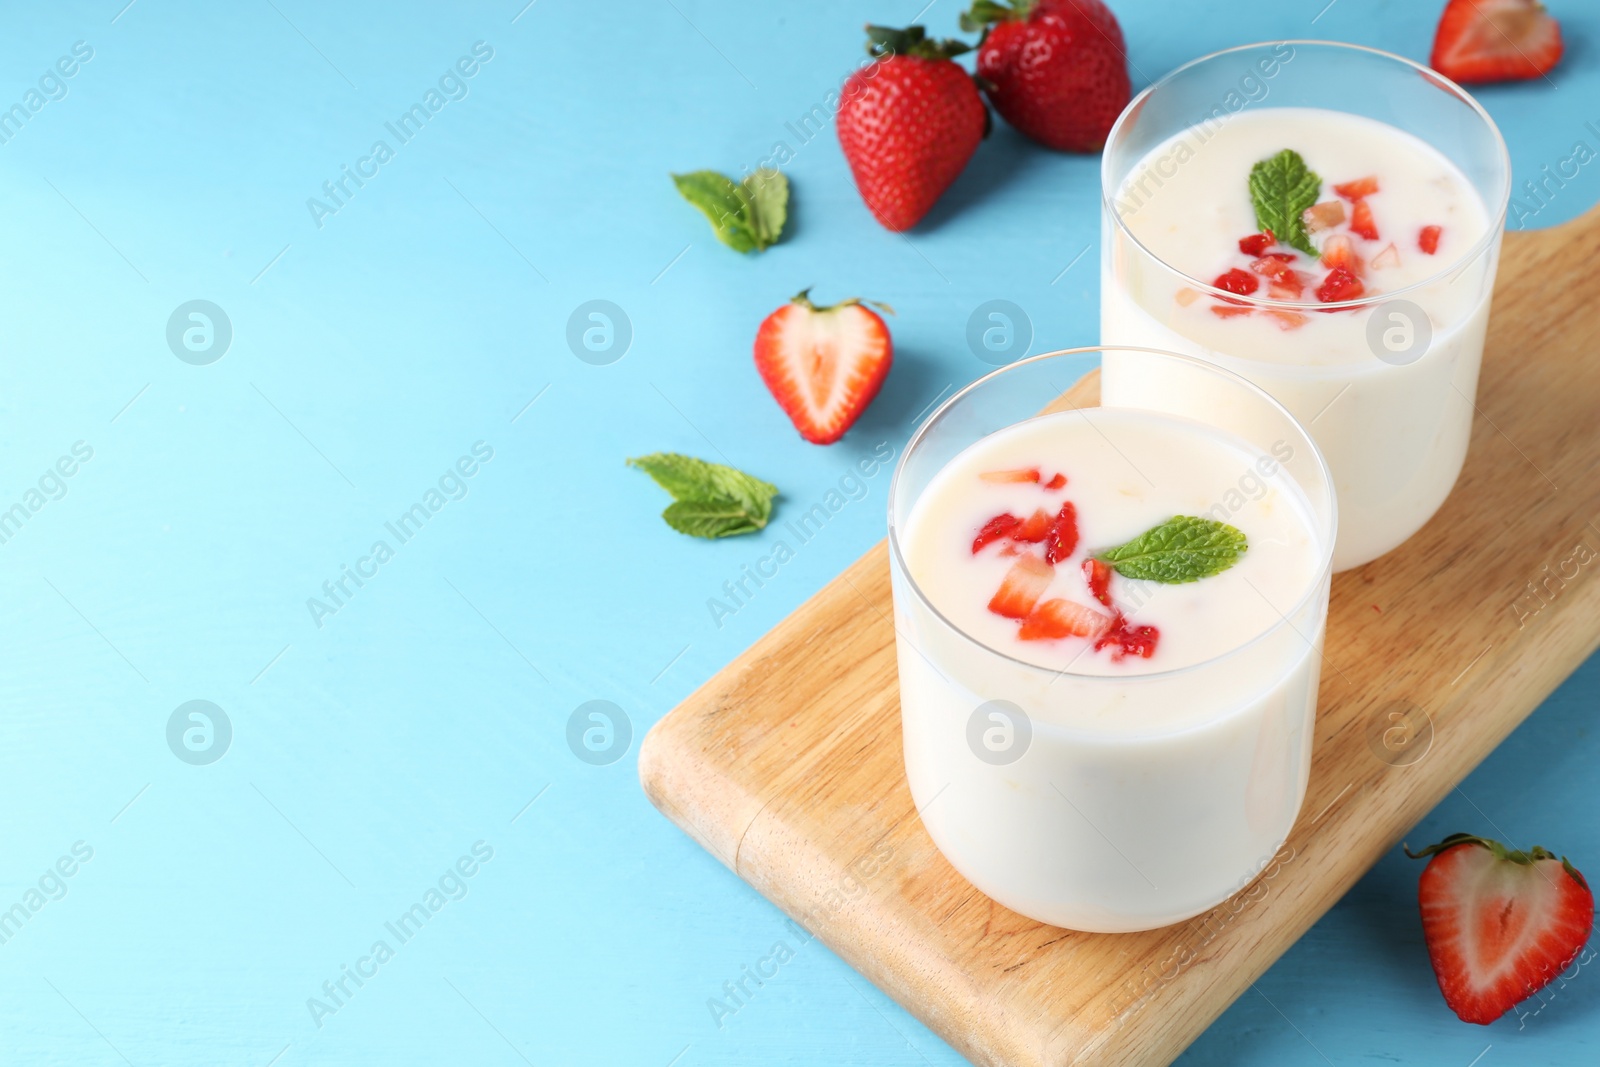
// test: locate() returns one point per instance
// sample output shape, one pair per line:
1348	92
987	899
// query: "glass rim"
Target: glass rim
1313	587
1491	236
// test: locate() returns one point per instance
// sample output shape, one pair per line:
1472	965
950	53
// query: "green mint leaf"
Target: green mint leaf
709	519
685	477
1182	549
747	217
766	195
713	500
1282	188
720	201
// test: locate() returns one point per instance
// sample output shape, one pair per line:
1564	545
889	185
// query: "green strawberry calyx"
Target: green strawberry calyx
986	13
883	42
1499	851
803	298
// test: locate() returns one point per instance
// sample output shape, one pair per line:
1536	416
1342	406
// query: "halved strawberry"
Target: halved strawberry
1340	251
1257	243
1022	587
1020	474
1125	640
823	364
1098	575
1056	481
1063	535
1359	188
1324	216
1339	285
1496	40
1062	618
993	530
1361	222
1034	527
1428	239
1500	925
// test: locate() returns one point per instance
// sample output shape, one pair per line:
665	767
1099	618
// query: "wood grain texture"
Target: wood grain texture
787	764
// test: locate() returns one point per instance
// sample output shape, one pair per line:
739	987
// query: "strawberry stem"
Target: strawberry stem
884	41
986	13
1499	851
803	298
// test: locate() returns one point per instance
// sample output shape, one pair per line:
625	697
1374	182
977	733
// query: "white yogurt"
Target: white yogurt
1073	786
1393	421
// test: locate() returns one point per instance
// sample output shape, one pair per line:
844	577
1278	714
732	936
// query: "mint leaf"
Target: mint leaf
1182	549
747	217
712	500
709	519
767	198
1282	188
722	202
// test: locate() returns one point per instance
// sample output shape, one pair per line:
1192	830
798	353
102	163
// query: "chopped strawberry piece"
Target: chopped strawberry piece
1223	311
1098	575
1125	640
1034	527
1361	222
1056	482
1359	188
993	530
1340	251
1289	286
1029	474
1062	618
1272	266
1063	536
1428	239
1287	320
1340	285
1324	216
1237	281
1022	587
1257	243
1389	257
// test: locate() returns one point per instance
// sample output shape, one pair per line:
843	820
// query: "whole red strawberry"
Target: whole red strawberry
1055	69
909	123
1500	925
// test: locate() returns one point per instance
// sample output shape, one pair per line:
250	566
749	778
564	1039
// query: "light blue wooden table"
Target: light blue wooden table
394	760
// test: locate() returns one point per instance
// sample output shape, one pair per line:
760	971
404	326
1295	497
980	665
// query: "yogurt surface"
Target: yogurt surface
1188	203
1125	472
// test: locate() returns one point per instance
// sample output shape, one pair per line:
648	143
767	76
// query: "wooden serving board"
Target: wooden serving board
787	765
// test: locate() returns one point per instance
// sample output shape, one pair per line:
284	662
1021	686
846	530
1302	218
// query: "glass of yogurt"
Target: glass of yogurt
1109	621
1325	220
